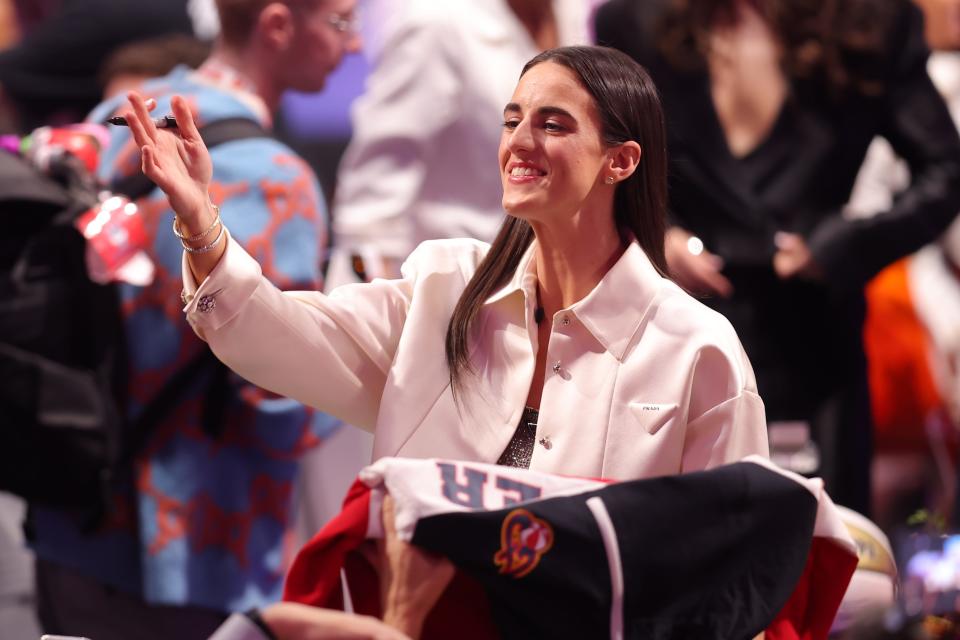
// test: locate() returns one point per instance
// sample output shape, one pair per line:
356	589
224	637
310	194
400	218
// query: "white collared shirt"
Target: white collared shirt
422	161
642	380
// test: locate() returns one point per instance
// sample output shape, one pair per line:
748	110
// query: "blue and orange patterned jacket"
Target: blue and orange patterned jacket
205	521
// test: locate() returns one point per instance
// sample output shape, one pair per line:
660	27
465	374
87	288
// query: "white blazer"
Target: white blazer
642	379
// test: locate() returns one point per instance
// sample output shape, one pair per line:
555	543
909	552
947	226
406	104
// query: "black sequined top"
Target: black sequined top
520	449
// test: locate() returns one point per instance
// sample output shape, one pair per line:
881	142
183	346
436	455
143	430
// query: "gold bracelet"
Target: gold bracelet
205	248
203	234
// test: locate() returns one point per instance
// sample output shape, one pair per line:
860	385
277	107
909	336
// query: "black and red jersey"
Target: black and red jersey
724	553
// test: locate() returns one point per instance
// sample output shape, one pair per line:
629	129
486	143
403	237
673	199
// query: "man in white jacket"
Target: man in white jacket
429	118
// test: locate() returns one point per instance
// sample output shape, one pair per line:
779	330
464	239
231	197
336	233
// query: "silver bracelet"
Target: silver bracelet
205	248
202	234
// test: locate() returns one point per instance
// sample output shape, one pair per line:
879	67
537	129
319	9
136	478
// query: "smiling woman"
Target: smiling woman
565	325
570	166
567	348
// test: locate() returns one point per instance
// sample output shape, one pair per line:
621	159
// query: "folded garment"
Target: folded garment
724	554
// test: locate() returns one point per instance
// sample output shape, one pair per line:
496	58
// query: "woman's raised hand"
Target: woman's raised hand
175	159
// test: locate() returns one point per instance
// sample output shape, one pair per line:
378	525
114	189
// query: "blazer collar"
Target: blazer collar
613	311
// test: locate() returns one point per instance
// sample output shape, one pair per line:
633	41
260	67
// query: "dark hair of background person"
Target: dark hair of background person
239	17
841	40
154	57
629	108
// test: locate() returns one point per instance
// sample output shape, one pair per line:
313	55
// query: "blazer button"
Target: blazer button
546	443
206	304
556	367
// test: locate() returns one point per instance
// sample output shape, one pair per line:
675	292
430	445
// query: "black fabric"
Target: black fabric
707	555
519	450
64	435
566	596
804	338
19	184
714	554
59	347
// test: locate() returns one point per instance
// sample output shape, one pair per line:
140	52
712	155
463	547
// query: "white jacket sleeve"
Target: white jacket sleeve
726	433
412	94
726	420
330	352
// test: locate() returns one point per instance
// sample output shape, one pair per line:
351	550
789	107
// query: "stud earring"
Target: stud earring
609	179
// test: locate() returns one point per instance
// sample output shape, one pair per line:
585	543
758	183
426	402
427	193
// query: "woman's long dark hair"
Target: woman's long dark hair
629	108
841	40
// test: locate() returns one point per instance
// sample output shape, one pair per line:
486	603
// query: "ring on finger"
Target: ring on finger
695	245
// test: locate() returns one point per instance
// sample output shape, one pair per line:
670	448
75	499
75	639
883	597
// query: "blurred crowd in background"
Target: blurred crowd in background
399	133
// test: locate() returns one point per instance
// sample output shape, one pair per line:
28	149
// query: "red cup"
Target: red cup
115	233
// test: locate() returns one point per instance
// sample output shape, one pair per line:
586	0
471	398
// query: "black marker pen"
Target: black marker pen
165	122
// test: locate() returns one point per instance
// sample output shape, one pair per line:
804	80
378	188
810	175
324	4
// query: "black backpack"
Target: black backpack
63	434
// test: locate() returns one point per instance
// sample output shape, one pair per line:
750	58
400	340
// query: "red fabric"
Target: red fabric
462	612
815	600
314	577
902	390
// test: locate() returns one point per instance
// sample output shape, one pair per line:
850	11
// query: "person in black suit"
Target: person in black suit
770	107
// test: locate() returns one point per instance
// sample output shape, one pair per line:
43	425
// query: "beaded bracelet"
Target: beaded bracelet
205	248
202	234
